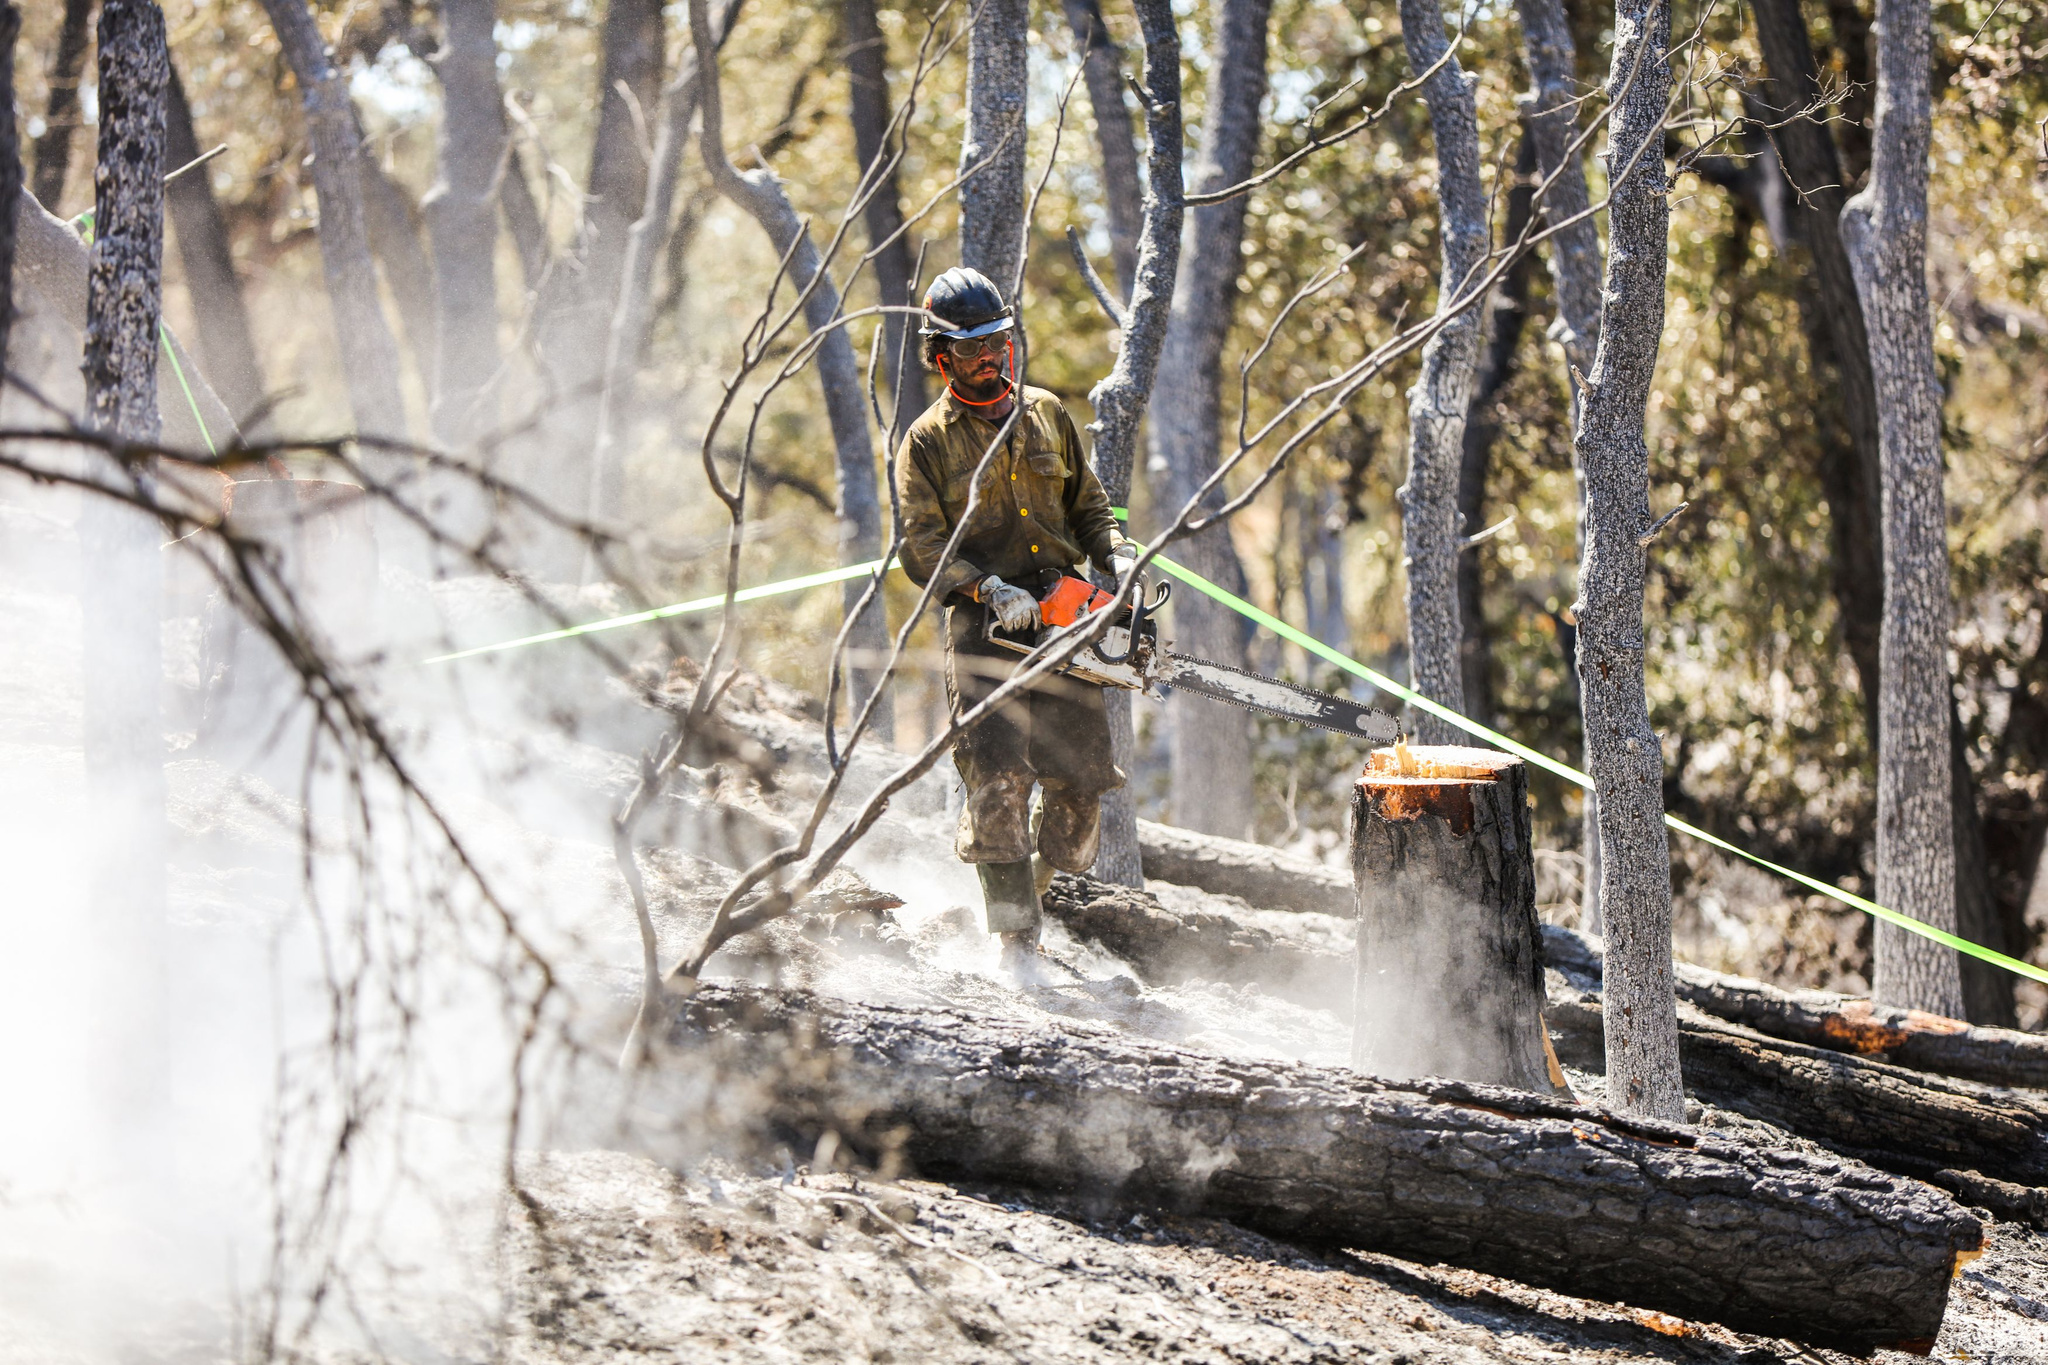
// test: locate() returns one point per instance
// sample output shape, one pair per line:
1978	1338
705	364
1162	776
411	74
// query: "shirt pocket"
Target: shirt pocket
1042	452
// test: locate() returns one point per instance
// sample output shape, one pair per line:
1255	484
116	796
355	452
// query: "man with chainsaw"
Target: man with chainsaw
1040	514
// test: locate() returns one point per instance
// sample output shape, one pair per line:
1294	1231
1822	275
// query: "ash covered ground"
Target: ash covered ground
634	1236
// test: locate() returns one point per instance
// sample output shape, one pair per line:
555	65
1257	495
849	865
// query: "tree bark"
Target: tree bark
1211	742
121	602
859	514
1449	981
1851	472
397	240
1485	1177
867	68
1625	755
369	356
225	340
1123	193
10	171
634	314
1885	231
1504	320
618	166
1550	112
523	221
1119	399
579	303
462	221
52	264
53	144
1442	394
992	201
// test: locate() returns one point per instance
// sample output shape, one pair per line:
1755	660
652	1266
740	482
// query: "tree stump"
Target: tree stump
1449	979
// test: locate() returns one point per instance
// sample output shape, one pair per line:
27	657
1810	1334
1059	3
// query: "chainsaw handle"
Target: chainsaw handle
1140	609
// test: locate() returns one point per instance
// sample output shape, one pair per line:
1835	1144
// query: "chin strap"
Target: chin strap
1009	363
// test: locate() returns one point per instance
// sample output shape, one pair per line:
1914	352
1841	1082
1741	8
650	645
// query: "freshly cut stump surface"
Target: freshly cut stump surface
1495	1179
1450	975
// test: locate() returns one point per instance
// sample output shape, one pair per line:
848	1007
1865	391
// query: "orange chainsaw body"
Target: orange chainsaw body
1071	600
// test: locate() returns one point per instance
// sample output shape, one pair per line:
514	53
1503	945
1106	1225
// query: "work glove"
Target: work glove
1015	608
1123	563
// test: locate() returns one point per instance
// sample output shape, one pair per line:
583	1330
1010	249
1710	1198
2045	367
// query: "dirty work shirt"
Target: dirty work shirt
1041	506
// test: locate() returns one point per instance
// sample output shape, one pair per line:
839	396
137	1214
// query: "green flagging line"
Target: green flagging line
1571	774
171	352
1341	660
816	580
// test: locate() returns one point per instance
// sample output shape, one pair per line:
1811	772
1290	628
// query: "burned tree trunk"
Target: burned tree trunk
1550	112
992	201
1885	231
1211	742
1851	477
1122	191
225	341
1505	318
635	312
369	356
1625	755
391	217
1442	394
10	171
60	118
462	220
760	194
1487	1177
867	68
1119	400
1450	979
53	265
121	602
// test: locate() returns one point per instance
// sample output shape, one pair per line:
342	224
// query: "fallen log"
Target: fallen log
1990	1148
1449	982
1499	1180
1890	1117
1260	876
1168	946
1837	1023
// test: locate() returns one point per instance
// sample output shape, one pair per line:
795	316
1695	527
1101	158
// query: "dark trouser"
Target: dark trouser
1054	734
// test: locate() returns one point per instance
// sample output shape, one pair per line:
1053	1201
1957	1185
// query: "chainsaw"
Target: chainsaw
1129	655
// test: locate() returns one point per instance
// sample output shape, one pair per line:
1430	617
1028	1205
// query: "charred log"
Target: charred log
1263	876
1499	1180
1893	1118
1838	1023
1168	946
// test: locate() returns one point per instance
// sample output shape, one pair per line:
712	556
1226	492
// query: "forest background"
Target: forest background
1750	679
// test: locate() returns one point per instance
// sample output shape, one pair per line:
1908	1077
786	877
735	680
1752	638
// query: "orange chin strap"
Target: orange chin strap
1009	364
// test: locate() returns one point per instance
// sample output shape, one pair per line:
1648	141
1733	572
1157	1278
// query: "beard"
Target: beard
982	379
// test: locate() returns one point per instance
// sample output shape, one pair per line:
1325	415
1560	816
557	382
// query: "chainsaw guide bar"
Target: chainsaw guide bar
1141	664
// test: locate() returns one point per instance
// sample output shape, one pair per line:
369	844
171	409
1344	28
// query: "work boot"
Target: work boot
995	824
1009	898
1020	956
1070	828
